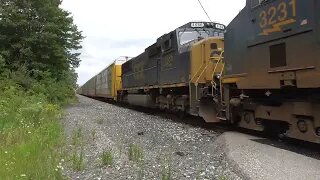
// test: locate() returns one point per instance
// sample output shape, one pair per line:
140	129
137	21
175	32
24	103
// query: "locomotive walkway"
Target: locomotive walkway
145	146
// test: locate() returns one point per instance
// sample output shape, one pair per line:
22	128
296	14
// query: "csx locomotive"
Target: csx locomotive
261	72
164	74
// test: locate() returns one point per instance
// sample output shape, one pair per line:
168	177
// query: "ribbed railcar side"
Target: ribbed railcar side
92	87
108	82
104	81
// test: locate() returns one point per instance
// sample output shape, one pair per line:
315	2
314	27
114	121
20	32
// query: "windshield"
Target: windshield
188	36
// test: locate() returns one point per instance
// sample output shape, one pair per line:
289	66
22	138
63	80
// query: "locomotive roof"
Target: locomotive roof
195	25
203	24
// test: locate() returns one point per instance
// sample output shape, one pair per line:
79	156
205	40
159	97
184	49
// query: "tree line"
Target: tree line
39	42
39	51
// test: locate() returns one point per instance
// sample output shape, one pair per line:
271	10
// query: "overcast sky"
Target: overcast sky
116	28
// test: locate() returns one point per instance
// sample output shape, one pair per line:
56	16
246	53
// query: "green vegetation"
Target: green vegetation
30	135
37	60
166	173
77	137
107	158
78	160
135	153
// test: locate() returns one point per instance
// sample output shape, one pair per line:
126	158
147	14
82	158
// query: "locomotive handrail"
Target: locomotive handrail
202	73
218	60
195	75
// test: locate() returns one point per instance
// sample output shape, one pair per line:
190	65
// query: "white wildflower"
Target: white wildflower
62	160
6	152
23	175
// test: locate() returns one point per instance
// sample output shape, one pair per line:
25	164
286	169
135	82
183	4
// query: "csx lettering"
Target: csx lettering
168	61
277	13
138	71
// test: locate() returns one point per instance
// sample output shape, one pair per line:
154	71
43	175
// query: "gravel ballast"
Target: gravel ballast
142	146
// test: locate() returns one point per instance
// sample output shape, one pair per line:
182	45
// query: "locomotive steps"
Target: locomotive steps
111	142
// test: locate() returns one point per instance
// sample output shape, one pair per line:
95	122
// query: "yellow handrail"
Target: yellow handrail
203	63
202	73
217	60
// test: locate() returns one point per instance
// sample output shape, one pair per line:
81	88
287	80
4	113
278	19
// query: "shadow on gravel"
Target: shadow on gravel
300	147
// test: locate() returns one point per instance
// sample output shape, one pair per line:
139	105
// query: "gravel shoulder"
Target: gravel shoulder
168	149
165	148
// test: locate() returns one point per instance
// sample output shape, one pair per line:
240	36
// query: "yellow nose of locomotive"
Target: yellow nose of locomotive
206	71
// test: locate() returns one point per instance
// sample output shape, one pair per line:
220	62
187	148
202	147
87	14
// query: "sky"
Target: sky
114	28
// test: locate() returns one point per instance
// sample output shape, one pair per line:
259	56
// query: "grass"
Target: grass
107	158
30	136
135	153
166	173
78	160
77	137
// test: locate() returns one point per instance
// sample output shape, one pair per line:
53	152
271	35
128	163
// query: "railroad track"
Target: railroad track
301	147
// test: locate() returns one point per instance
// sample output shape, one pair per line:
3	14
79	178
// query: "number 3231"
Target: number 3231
277	14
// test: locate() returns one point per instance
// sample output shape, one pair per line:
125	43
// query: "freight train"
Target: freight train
261	72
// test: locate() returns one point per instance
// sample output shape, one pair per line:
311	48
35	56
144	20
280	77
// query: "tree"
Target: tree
40	35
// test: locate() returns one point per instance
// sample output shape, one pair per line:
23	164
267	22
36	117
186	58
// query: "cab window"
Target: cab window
167	45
